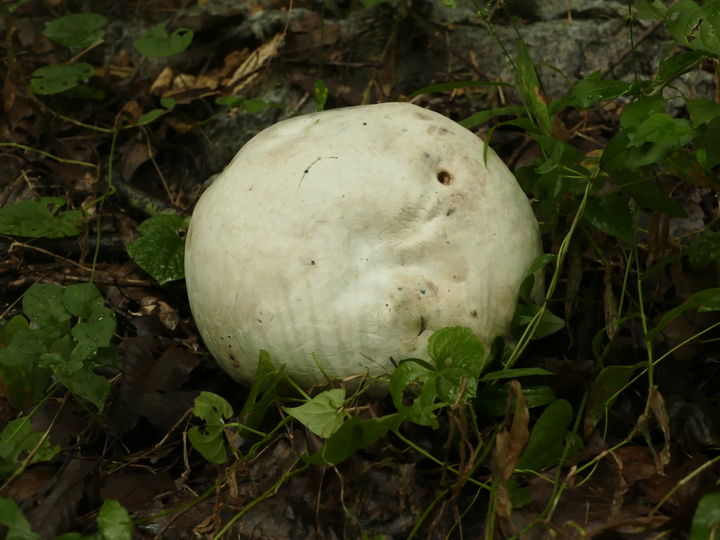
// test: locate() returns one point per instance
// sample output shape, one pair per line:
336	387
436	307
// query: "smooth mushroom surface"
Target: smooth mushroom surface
339	241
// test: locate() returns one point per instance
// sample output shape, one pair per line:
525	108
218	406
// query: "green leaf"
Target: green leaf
76	29
662	128
702	111
156	42
514	373
458	347
611	215
367	4
86	384
262	393
637	112
654	10
706	520
608	383
679	64
354	435
114	522
591	90
705	300
529	87
18	527
40	219
82	299
407	371
151	116
160	249
483	116
460	357
97	330
549	322
321	94
57	78
323	414
646	192
547	437
704	250
694	26
452	85
492	400
209	440
16	440
43	304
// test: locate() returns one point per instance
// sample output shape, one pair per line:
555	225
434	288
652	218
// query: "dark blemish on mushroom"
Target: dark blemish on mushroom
307	169
442	131
422	291
364	123
450	211
423	116
444	177
474	313
423	325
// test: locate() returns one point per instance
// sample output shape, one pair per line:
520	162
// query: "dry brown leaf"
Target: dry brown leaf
162	82
248	70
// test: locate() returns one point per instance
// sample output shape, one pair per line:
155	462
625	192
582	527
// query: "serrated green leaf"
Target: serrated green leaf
19	438
76	29
323	414
40	219
157	43
160	249
18	527
114	522
57	78
547	437
706	519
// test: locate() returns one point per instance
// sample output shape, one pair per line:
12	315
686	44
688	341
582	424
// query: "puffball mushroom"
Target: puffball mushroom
339	241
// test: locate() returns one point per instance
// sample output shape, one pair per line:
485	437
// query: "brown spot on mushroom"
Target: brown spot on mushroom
474	313
444	177
443	131
423	116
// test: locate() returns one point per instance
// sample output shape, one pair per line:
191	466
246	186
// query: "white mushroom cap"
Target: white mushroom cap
345	238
